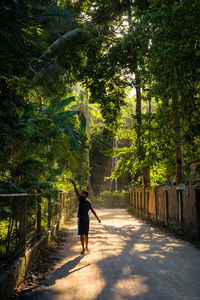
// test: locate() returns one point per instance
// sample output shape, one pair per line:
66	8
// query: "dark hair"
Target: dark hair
85	193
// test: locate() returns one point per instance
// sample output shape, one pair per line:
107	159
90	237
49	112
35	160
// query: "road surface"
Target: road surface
128	260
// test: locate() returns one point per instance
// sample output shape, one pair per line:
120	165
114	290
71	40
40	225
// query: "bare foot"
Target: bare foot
83	251
87	250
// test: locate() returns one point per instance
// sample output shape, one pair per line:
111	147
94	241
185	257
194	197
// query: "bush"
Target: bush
116	199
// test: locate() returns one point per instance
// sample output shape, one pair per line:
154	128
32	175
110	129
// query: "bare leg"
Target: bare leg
82	243
86	242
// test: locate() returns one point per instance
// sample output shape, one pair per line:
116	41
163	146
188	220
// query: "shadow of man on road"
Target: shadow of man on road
65	270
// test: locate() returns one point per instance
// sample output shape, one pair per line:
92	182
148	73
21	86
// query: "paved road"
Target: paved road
128	260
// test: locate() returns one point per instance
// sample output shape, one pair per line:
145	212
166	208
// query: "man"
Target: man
83	217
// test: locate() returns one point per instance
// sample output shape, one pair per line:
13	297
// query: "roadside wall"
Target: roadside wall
15	273
169	205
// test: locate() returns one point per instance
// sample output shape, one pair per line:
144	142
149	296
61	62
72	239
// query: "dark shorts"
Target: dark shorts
83	226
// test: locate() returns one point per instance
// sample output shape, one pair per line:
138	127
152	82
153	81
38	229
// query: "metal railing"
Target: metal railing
24	218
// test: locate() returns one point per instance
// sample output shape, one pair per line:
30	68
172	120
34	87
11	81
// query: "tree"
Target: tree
173	62
39	138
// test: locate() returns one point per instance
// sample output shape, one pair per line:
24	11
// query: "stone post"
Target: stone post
167	188
180	188
49	213
156	199
147	200
197	192
39	203
23	222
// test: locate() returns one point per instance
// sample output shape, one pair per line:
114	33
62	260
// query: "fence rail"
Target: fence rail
178	206
24	218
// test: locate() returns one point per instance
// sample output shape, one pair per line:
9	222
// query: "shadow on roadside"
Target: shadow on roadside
65	270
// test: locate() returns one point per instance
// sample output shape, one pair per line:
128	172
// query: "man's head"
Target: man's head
84	194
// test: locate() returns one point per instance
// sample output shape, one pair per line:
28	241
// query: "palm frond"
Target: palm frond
72	138
83	125
63	116
56	46
64	102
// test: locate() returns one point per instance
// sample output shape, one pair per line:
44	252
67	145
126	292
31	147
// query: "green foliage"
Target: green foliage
48	48
115	199
56	47
40	139
158	45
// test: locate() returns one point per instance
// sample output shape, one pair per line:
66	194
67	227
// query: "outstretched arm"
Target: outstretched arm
75	189
94	213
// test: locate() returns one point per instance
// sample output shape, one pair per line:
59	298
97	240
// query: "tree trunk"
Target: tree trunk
146	173
90	190
112	167
138	100
178	142
115	161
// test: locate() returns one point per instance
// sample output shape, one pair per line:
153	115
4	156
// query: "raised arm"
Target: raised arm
75	189
94	213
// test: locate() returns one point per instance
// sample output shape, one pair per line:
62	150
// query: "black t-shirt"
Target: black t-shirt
84	207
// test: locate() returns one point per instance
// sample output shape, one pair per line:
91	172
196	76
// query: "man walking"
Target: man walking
83	217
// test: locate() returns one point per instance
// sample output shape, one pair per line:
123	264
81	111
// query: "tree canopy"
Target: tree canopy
138	62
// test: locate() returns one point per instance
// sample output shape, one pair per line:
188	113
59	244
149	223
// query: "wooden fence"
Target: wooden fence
175	206
24	218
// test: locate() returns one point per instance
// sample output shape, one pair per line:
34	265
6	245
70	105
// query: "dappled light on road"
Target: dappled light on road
128	259
132	286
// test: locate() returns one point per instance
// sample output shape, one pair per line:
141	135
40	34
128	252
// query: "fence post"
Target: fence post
49	213
167	188
180	188
39	203
62	213
23	222
68	203
156	201
197	193
56	210
144	201
64	207
147	201
134	199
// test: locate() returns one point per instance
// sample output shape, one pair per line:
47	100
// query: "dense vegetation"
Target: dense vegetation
76	75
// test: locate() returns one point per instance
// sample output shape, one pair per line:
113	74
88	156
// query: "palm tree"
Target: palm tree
91	113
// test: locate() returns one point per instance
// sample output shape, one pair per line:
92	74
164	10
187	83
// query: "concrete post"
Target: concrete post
134	199
39	203
167	188
180	188
156	199
147	201
197	192
64	206
23	222
49	213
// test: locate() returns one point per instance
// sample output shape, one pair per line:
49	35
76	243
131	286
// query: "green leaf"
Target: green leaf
83	125
72	139
7	209
15	187
63	103
56	46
